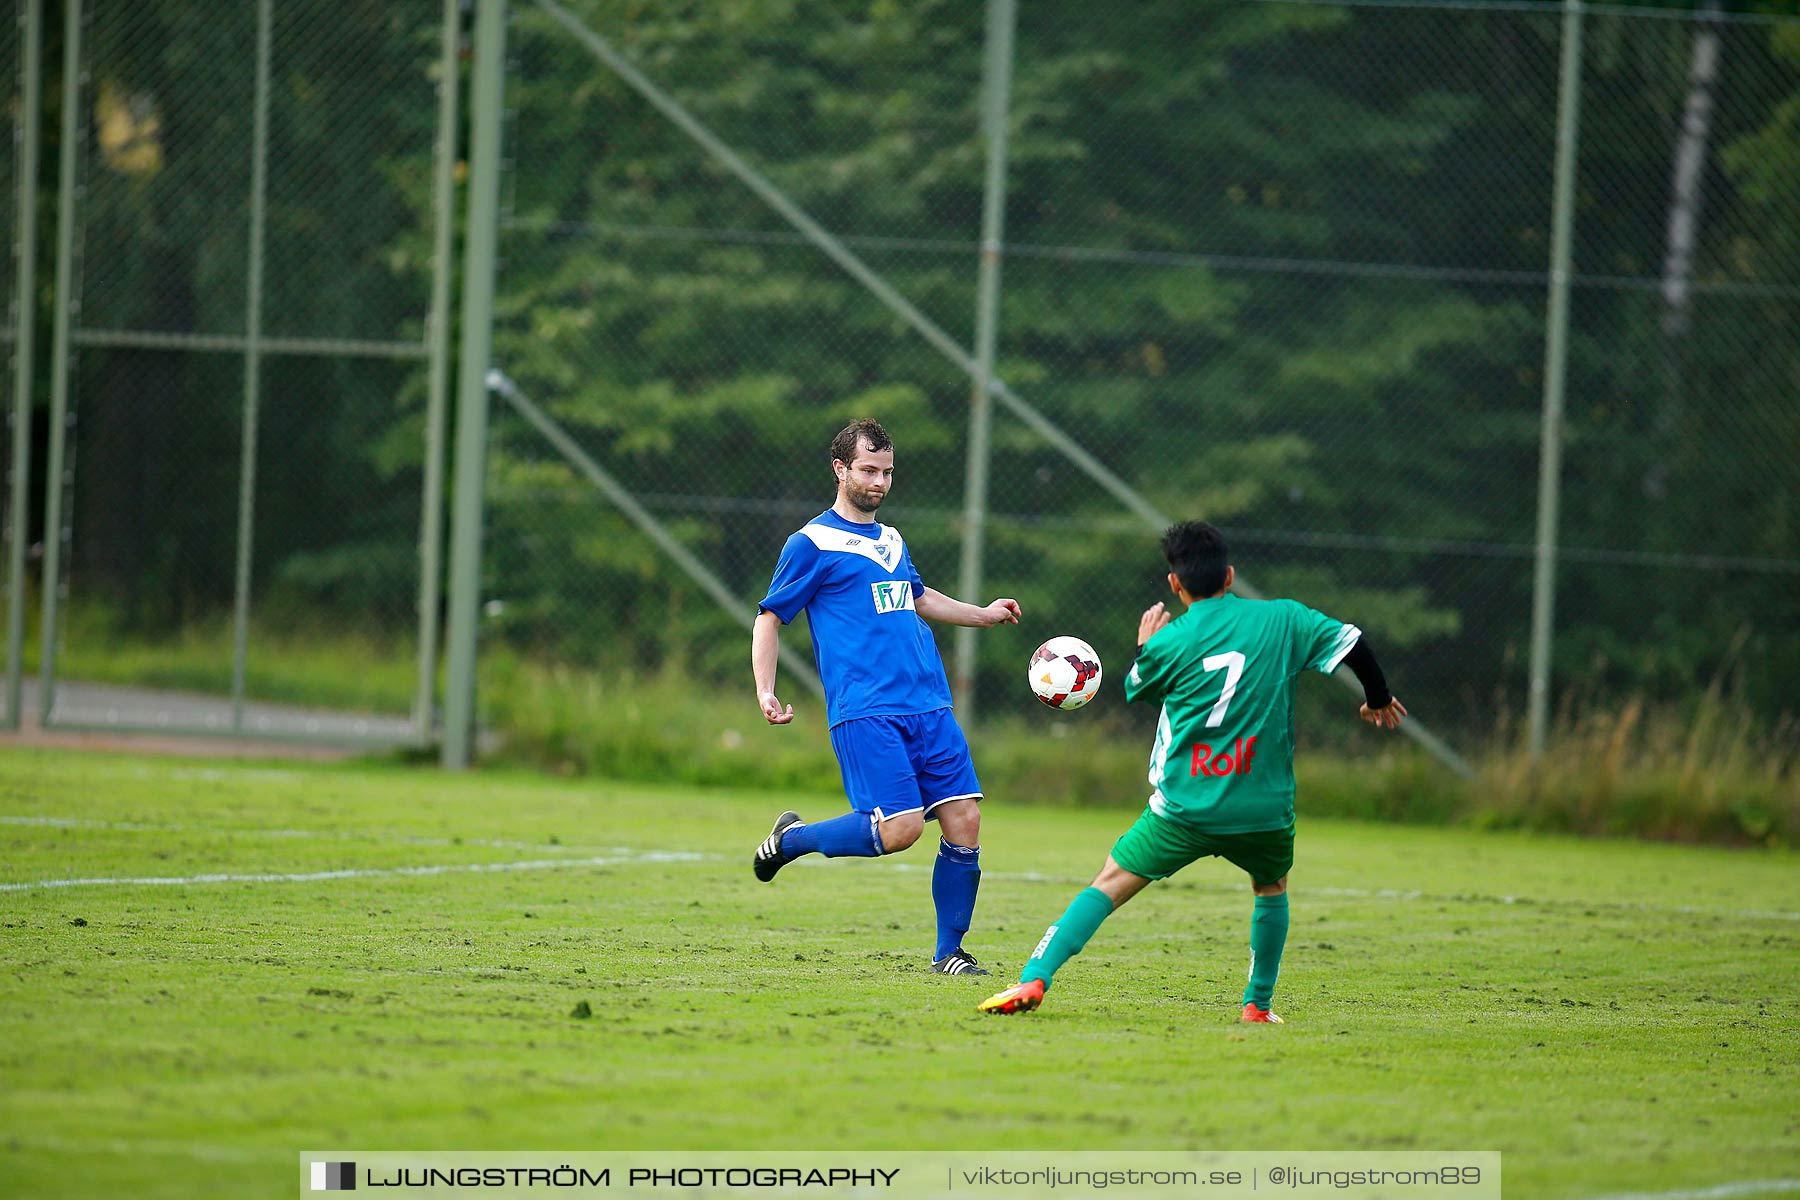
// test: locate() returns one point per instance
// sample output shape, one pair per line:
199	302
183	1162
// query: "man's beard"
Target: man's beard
866	499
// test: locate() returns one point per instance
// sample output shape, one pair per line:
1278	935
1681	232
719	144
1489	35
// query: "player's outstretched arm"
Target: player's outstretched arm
933	605
1380	707
765	652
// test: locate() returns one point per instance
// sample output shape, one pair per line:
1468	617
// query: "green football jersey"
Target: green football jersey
1224	673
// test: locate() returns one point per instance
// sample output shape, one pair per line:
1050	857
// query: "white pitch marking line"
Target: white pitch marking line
808	861
1724	1191
330	834
544	864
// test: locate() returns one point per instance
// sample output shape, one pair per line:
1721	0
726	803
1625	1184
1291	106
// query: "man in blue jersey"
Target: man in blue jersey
903	757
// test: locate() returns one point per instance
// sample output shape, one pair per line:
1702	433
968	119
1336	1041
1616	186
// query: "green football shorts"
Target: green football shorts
1156	847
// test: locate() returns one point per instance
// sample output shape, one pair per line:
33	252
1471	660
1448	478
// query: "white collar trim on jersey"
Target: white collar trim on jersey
884	549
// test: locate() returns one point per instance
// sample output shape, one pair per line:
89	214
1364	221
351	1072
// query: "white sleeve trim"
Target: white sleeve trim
1348	636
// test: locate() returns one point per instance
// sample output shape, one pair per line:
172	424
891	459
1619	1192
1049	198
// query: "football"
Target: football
1065	672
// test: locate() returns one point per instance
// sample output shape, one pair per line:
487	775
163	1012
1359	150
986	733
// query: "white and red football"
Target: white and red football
1065	672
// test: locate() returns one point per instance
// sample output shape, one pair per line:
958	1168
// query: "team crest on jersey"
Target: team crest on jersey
892	595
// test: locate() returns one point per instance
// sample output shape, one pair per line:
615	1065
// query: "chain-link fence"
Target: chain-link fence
15	39
1279	263
246	363
1684	410
1282	265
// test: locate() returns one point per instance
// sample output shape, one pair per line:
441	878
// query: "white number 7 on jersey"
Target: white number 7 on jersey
1232	663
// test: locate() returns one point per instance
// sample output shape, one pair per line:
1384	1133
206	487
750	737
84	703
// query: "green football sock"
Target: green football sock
1064	940
1268	934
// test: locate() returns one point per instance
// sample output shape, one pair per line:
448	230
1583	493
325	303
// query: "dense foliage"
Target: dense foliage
1279	265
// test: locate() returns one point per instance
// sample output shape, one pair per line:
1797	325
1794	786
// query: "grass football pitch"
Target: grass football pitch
260	959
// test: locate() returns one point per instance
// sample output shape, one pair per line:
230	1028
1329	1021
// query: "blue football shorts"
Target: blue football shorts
896	765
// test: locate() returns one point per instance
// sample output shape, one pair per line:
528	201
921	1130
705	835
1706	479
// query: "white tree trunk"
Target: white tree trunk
1690	160
1685	196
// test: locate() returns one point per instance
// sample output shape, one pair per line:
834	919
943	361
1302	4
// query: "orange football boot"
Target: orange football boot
1020	997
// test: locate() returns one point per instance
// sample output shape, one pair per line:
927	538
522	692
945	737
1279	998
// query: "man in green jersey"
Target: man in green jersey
1222	767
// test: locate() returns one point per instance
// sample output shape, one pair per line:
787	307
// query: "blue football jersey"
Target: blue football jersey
858	586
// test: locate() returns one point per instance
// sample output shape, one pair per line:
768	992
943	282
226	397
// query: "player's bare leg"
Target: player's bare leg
1119	884
901	831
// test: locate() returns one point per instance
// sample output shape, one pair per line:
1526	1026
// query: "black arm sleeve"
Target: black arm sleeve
1361	661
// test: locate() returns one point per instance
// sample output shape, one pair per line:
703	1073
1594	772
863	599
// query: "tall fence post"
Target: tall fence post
60	347
437	404
996	95
1556	347
253	354
24	342
479	252
834	248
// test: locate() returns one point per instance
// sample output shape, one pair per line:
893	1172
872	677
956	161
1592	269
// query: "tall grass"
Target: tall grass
1713	773
658	727
316	667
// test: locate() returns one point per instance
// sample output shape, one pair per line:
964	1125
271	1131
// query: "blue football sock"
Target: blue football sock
852	835
954	881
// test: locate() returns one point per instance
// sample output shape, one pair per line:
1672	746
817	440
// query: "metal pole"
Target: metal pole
1556	345
996	99
246	532
472	367
59	369
635	512
24	342
431	521
834	248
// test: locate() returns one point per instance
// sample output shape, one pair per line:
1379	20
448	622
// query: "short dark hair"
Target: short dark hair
843	446
1196	553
